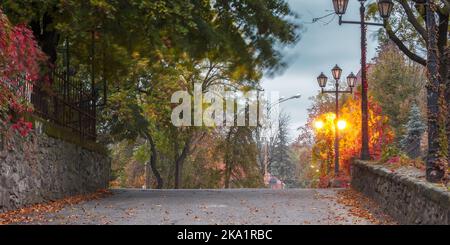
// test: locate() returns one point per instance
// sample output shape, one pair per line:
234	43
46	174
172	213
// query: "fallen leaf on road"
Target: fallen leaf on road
35	213
362	207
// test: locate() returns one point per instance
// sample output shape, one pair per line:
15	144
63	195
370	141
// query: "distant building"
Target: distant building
273	182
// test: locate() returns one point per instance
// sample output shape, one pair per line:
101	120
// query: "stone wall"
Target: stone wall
409	200
49	164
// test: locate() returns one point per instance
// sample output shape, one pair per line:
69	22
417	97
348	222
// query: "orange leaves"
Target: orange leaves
362	207
37	212
380	132
350	136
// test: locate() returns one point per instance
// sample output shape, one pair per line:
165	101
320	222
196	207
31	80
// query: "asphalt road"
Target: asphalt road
184	207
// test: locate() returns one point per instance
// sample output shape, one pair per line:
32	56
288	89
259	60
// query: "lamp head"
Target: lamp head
322	80
337	72
340	6
385	8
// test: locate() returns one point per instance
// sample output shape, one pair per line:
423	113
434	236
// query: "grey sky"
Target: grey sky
320	48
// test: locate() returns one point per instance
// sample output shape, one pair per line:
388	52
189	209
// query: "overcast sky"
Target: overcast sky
320	48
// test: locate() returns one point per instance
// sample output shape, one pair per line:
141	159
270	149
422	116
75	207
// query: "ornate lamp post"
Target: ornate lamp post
351	80
385	9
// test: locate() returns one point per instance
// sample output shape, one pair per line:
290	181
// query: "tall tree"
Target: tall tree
143	47
282	164
417	26
239	155
404	80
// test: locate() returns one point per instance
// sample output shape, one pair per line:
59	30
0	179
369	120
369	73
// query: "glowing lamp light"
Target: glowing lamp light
342	124
331	116
318	124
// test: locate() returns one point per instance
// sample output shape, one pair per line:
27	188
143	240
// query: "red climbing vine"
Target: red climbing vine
20	65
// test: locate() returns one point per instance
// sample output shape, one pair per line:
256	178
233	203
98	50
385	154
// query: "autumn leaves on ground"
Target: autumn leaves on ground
240	206
38	212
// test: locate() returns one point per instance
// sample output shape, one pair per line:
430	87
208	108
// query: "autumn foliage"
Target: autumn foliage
350	138
380	133
20	64
38	212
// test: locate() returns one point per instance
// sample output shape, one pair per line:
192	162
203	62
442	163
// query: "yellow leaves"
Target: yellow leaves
141	63
103	5
238	73
350	135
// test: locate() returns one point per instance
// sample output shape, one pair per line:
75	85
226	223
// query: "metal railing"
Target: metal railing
68	102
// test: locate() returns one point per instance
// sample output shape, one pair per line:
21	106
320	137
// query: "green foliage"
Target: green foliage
405	82
282	164
239	152
391	151
147	50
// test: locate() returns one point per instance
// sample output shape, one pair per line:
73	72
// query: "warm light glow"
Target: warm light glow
331	116
342	124
318	124
312	166
317	170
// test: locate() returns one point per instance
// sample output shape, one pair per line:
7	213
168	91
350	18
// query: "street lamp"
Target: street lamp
385	8
337	72
340	6
322	79
266	145
351	80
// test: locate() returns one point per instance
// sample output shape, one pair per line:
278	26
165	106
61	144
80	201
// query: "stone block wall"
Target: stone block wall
408	200
49	165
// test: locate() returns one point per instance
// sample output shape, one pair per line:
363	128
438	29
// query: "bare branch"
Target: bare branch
413	20
402	46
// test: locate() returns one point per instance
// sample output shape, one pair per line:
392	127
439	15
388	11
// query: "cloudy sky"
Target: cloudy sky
320	48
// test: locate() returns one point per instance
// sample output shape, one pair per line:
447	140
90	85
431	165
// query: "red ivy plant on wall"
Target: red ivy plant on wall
20	60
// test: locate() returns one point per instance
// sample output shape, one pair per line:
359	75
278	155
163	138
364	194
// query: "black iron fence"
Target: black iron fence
68	102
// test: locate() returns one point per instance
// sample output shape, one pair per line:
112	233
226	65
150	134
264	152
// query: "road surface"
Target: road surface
185	207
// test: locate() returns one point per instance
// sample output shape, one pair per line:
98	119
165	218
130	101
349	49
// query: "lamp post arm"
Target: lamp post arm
290	98
359	22
284	100
339	91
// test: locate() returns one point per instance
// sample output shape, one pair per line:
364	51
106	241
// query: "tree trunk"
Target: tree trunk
47	39
147	183
152	164
228	160
179	164
447	96
435	165
444	66
227	174
153	160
